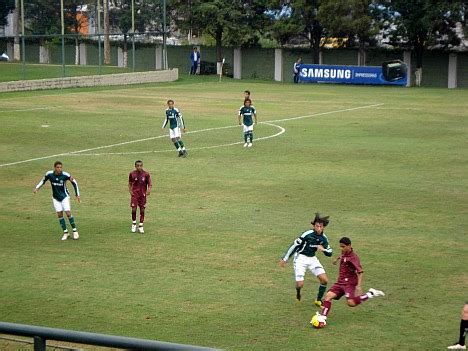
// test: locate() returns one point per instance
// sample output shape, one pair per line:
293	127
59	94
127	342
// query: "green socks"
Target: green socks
321	291
71	219
62	224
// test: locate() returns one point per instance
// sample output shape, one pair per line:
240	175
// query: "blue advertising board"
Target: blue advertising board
391	73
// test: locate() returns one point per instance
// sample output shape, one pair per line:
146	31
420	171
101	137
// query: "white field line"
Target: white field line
195	131
30	109
281	131
325	113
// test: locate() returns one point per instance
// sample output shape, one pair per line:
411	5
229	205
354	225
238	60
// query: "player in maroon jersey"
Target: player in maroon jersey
349	281
139	186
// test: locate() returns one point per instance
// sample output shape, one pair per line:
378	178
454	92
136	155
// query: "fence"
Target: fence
247	63
42	334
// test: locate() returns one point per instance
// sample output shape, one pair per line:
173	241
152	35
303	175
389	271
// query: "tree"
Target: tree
298	19
43	18
419	24
6	7
230	22
74	21
105	11
348	19
147	18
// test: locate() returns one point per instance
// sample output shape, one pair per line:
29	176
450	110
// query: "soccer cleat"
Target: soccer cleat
376	292
184	153
134	226
141	230
298	296
65	236
180	153
318	303
246	144
457	347
75	235
249	145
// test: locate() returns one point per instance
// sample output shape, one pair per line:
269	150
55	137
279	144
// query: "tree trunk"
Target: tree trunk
16	45
77	51
316	37
361	55
107	58
44	56
125	52
219	54
419	50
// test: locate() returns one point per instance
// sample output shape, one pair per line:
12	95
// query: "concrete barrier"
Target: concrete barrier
92	81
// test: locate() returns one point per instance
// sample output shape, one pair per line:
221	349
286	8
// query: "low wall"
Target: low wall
92	81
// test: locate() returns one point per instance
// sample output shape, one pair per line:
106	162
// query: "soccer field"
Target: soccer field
389	165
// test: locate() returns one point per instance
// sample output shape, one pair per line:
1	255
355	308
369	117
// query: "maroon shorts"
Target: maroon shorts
347	290
138	200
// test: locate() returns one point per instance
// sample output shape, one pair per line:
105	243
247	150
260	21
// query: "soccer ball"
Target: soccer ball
318	321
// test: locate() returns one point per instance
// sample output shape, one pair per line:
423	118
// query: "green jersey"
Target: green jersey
174	118
306	244
58	183
247	114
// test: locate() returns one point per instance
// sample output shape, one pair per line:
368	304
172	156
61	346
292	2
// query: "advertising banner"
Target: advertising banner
390	73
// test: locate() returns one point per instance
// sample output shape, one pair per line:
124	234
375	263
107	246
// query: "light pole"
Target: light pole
23	49
63	38
165	66
99	33
133	35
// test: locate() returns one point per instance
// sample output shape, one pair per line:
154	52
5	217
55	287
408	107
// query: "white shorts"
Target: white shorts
247	128
63	205
302	263
174	133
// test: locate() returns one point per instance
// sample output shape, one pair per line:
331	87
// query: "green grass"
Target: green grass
14	71
392	177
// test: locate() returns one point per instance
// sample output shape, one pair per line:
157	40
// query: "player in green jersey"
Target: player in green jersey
176	127
304	249
61	197
246	113
246	95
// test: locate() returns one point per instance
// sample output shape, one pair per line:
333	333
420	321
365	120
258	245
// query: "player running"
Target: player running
61	197
176	124
463	330
139	186
304	249
245	119
349	281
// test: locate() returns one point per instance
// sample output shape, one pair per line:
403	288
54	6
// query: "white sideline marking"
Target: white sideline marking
325	113
190	132
29	109
282	130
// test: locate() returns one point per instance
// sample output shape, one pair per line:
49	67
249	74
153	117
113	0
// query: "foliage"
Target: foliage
232	23
419	24
347	19
297	20
6	6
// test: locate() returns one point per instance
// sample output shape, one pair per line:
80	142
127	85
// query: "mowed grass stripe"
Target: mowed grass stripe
217	222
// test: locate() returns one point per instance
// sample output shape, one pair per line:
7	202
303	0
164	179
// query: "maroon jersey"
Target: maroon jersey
350	266
140	182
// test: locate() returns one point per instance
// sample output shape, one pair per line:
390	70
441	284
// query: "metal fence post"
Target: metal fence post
39	344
